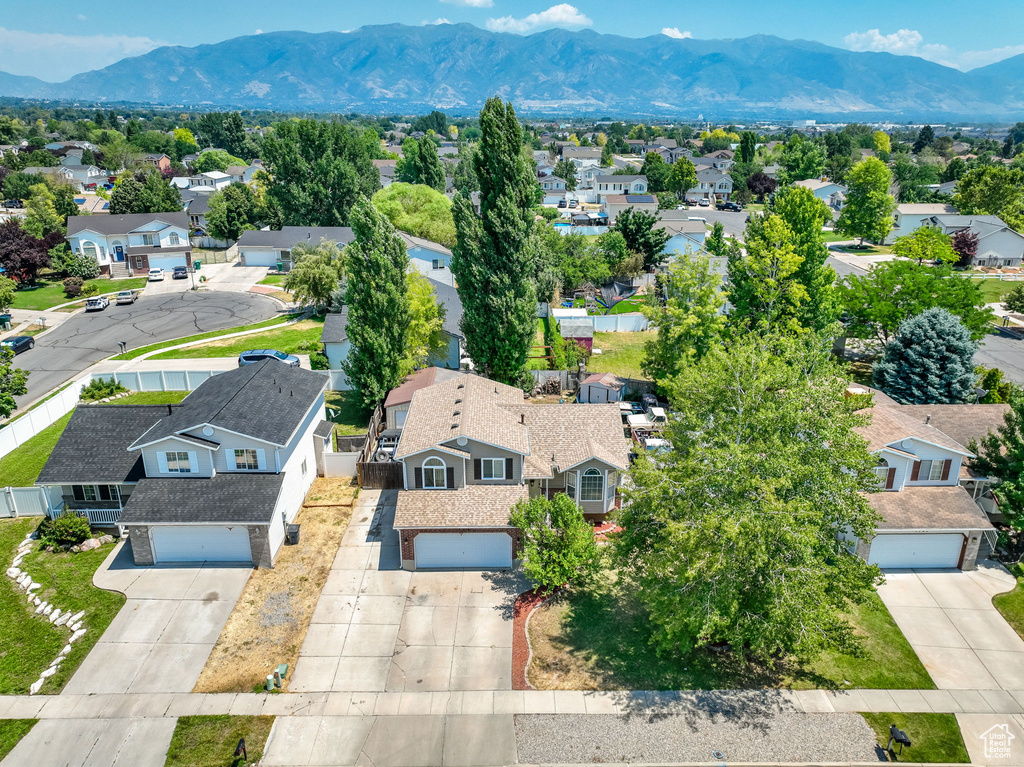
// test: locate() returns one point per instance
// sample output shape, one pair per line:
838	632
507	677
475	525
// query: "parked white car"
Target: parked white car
96	303
156	275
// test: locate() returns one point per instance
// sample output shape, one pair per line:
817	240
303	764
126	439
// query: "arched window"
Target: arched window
89	249
433	474
882	470
173	239
592	485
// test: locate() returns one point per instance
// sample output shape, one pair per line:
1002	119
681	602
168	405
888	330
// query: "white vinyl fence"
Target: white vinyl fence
28	501
619	323
340	464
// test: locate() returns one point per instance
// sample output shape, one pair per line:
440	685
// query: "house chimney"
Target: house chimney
522	418
169	409
927	419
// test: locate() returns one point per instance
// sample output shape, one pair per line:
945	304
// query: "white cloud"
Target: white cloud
471	3
910	42
54	56
676	33
258	32
435	22
81	16
562	15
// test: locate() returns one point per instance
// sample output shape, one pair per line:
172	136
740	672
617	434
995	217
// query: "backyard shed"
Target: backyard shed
602	387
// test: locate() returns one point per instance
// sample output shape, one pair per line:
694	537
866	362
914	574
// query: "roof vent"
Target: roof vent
522	418
457	412
458	401
461	386
280	390
455	426
927	419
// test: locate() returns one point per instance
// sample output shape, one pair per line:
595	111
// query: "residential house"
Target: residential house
209	182
582	156
714	161
214	479
431	259
56	146
998	244
160	161
829	192
602	387
772	171
134	241
337	345
616	203
909	217
396	405
635	145
70	156
712	184
552	183
605	186
929	514
242	174
196	205
386	171
271	247
472	448
686	235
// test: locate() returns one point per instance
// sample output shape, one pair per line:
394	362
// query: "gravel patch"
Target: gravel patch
693	737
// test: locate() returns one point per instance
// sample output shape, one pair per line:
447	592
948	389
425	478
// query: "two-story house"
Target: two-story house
712	184
928	518
134	241
209	182
582	156
829	192
216	478
618	185
472	448
158	160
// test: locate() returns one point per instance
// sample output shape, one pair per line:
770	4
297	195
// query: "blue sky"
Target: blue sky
71	37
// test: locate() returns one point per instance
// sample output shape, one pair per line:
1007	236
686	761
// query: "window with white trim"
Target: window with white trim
882	470
492	468
173	239
149	239
178	463
247	459
592	485
570	484
83	492
433	474
437	263
930	471
611	486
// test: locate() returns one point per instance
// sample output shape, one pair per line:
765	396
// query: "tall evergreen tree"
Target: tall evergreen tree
748	145
126	197
429	170
929	362
378	304
494	258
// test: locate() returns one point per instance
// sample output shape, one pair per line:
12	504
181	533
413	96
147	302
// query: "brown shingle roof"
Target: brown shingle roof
472	506
421	379
562	436
889	425
929	508
961	423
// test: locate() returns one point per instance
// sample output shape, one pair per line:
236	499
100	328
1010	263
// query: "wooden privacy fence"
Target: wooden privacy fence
377	475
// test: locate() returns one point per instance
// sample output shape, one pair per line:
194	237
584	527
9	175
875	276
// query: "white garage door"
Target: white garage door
201	544
463	550
167	263
261	257
923	550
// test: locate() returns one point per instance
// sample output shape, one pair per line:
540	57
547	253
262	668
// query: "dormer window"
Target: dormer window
930	471
433	474
178	463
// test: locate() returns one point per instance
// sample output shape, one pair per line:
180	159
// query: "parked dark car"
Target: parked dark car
179	273
12	203
253	356
733	206
562	203
18	344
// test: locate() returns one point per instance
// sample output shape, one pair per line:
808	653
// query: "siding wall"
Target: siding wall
203	468
416	461
478	451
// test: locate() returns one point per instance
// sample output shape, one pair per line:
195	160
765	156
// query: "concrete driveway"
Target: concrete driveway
161	638
948	618
232	276
378	628
85	339
89	742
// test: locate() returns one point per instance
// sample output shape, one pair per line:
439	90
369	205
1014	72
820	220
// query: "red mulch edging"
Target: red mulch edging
524	605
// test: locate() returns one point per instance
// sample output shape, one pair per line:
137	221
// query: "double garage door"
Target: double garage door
195	543
453	550
918	550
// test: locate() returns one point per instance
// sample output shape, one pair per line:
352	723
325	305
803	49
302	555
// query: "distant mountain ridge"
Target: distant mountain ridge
457	66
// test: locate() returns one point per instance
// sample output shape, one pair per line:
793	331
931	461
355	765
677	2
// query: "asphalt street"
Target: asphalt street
1003	351
85	339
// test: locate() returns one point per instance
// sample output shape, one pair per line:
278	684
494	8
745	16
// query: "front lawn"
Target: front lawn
29	642
621	353
11	731
50	292
866	250
283	339
831	236
598	638
1011	604
132	354
347	412
273	279
210	741
994	290
933	737
20	467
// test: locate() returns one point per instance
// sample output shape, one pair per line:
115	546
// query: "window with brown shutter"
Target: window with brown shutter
418	478
916	471
945	469
508	469
890	479
476	468
450	484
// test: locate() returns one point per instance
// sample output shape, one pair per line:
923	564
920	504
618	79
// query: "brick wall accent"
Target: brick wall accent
142	549
407	538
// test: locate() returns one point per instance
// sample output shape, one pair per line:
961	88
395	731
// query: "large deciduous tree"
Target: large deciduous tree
425	338
735	535
869	206
317	270
930	361
41	216
318	171
764	289
418	210
992	190
637	228
1001	457
232	211
682	177
893	291
494	259
21	254
378	305
965	246
566	171
558	543
925	243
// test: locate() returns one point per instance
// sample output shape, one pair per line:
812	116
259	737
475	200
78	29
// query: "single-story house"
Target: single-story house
829	192
269	247
998	244
472	448
602	387
214	479
909	217
616	203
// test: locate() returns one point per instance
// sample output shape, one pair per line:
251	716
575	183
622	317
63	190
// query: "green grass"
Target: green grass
50	293
994	290
621	353
933	737
210	741
347	413
603	638
1011	604
834	237
628	305
538	350
11	731
21	467
273	279
29	642
199	337
283	339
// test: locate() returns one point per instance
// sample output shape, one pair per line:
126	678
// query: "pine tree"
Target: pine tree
494	258
378	304
1001	456
929	361
429	170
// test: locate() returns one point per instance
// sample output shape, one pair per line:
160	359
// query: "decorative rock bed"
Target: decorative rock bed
522	652
55	615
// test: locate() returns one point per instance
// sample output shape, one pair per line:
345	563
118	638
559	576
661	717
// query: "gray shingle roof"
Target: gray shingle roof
266	401
336	325
128	222
94	445
335	328
224	498
289	236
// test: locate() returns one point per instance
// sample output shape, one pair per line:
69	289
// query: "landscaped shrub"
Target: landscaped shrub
67	530
318	361
72	287
90	289
101	388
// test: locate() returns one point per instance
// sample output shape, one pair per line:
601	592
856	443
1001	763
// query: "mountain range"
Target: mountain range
455	67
